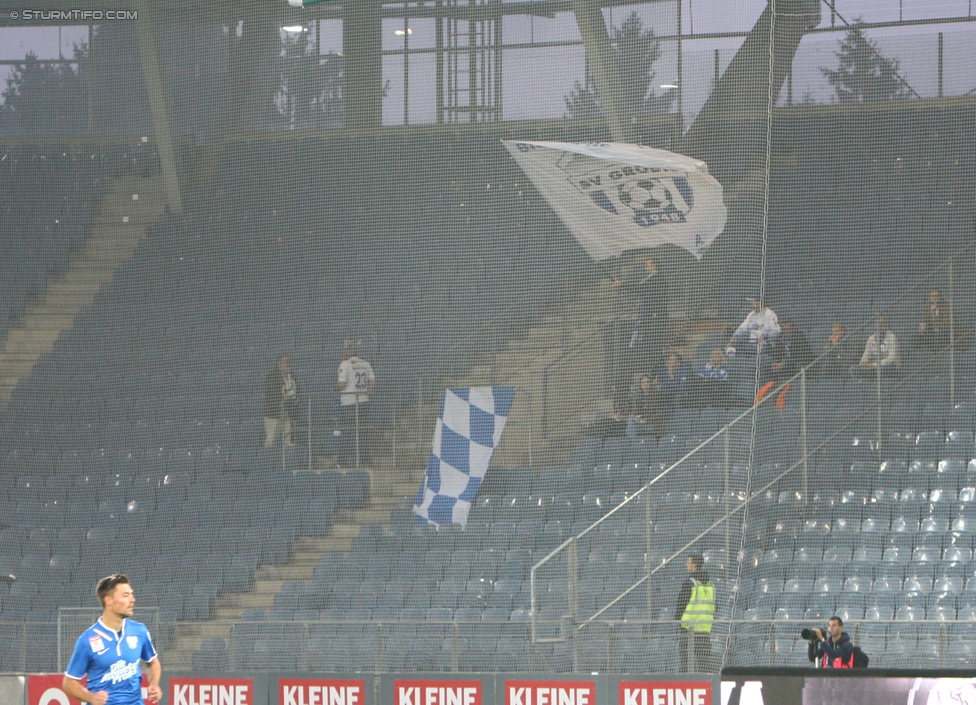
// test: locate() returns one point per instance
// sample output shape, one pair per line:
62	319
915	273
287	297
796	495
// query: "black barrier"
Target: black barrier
802	686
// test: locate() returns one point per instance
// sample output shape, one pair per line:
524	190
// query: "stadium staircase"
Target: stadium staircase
578	331
389	486
578	334
130	205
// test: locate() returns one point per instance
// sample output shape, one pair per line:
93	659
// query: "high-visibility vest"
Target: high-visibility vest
826	662
700	610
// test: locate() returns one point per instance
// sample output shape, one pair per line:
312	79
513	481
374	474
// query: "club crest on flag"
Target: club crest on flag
617	197
469	428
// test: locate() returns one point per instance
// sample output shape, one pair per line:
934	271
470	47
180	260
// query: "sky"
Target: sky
535	80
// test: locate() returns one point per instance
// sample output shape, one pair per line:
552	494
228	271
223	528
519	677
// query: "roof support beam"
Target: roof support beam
159	106
602	64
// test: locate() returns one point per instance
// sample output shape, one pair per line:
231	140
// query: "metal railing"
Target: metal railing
736	445
463	646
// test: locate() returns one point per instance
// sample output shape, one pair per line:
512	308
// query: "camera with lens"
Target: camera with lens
808	634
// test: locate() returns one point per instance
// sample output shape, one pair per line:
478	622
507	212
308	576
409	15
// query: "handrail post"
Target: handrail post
357	431
529	421
308	432
493	334
571	563
545	402
649	543
877	369
533	608
396	429
420	406
455	648
952	326
803	430
285	437
728	487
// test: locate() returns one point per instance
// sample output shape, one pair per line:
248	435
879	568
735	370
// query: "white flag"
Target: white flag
617	197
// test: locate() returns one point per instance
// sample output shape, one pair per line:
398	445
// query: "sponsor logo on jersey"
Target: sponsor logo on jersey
97	645
121	671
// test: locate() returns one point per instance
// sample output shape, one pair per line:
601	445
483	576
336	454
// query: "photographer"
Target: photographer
836	650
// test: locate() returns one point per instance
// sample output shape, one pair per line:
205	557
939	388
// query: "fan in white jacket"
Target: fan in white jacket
760	327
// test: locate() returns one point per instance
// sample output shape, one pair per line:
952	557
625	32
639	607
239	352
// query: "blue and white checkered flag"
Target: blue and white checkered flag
468	431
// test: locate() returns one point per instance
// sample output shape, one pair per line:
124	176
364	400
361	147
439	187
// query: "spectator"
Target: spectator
791	353
672	382
716	368
839	355
881	350
613	425
280	402
647	287
354	382
647	413
761	326
715	380
935	326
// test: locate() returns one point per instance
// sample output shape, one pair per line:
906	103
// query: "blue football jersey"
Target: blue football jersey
111	660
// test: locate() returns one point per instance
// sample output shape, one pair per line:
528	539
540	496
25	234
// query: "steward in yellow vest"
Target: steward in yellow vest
696	612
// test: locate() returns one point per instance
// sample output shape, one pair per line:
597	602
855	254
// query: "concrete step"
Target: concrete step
372	516
48	320
395	493
213	629
122	215
247	600
76	282
177	660
21	339
187	643
228	614
345	530
312	545
284	572
267	587
305	558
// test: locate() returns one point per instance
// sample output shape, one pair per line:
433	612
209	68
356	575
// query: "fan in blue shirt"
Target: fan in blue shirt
110	651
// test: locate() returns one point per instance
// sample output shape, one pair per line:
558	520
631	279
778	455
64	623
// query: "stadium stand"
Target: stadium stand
134	445
47	195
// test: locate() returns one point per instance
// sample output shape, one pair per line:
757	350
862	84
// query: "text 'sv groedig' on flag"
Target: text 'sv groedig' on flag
469	428
616	197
